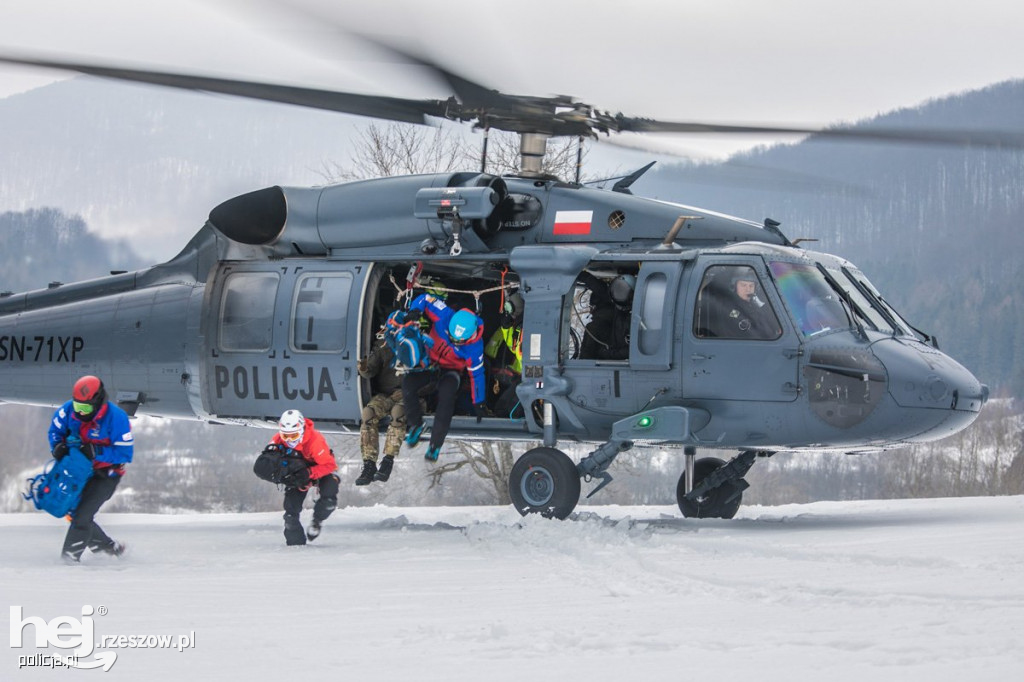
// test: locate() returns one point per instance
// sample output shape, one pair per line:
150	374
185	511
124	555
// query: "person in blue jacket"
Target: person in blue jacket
103	433
457	350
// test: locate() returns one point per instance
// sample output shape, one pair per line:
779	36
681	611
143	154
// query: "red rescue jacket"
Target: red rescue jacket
314	449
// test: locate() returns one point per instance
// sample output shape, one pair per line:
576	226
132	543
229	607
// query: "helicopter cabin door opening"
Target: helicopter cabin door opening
282	335
740	344
491	290
619	332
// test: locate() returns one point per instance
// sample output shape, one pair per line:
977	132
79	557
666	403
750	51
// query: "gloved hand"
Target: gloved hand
298	479
88	450
480	410
60	451
274	447
363	366
507	321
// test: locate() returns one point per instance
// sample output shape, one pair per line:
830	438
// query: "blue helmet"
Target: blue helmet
463	326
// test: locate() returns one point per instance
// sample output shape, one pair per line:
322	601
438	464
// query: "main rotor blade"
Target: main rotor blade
520	114
973	138
376	106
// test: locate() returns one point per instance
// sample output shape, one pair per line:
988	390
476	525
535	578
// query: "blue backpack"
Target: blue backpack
407	342
59	488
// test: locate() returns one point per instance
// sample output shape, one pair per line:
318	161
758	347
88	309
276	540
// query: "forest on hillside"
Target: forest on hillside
42	246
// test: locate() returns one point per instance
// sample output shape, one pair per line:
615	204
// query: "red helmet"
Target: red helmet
88	395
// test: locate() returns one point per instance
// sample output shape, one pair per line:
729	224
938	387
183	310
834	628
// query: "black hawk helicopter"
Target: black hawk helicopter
738	338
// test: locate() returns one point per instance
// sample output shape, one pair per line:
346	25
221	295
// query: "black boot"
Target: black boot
384	471
293	532
369	469
313	532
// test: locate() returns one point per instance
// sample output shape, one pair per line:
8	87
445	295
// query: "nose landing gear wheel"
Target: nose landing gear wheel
718	503
544	481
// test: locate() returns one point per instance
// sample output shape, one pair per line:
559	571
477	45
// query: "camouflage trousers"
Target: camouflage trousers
380	406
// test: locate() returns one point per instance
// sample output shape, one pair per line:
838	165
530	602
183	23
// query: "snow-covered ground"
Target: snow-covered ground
896	590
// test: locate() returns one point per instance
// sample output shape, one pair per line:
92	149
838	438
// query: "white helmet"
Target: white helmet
292	426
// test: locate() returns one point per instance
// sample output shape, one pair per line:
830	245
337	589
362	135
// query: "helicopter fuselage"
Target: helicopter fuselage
273	302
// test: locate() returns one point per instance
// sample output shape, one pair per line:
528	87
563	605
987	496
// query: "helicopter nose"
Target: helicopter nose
923	378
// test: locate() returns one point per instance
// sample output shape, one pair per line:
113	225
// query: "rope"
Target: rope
403	296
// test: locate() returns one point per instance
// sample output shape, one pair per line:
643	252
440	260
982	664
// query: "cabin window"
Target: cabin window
319	319
602	308
247	311
731	304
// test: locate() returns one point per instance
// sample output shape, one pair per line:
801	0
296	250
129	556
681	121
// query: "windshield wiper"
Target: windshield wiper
873	301
887	311
858	314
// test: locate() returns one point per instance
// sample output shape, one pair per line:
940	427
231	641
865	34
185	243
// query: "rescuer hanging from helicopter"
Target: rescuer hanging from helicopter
457	348
387	401
101	430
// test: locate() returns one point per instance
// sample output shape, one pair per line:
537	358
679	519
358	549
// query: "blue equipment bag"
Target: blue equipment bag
59	488
408	343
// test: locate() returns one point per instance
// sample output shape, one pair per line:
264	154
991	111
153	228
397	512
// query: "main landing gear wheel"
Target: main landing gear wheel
544	481
715	503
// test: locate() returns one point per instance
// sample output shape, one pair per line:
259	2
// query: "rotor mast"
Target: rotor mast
532	147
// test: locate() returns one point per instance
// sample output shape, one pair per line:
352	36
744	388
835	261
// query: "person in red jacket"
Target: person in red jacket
298	433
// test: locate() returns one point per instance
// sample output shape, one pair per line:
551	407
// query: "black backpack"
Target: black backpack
283	466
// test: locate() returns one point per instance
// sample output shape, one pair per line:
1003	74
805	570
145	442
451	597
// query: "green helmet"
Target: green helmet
434	286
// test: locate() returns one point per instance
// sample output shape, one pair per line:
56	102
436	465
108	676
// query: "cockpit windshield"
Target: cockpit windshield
815	305
828	299
887	319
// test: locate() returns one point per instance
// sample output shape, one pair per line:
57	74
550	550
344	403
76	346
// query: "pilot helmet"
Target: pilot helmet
514	305
621	289
87	396
292	426
743	274
463	327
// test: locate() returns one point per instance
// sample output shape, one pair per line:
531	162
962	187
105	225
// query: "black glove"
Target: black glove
87	450
480	410
60	451
297	479
507	321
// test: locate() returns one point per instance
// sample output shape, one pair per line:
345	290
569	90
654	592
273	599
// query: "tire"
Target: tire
713	505
544	481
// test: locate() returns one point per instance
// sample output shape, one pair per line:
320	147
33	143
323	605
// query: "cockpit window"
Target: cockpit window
731	305
816	306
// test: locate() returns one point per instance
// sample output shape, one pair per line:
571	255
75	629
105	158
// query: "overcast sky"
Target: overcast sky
777	61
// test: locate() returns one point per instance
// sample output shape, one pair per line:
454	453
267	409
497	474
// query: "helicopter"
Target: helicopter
283	289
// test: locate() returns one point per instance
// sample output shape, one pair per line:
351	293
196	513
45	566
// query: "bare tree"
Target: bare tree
401	149
489	461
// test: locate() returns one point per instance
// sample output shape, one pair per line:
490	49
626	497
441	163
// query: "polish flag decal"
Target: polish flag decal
573	222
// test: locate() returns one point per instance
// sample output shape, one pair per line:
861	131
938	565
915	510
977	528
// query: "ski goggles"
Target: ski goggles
291	438
82	408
